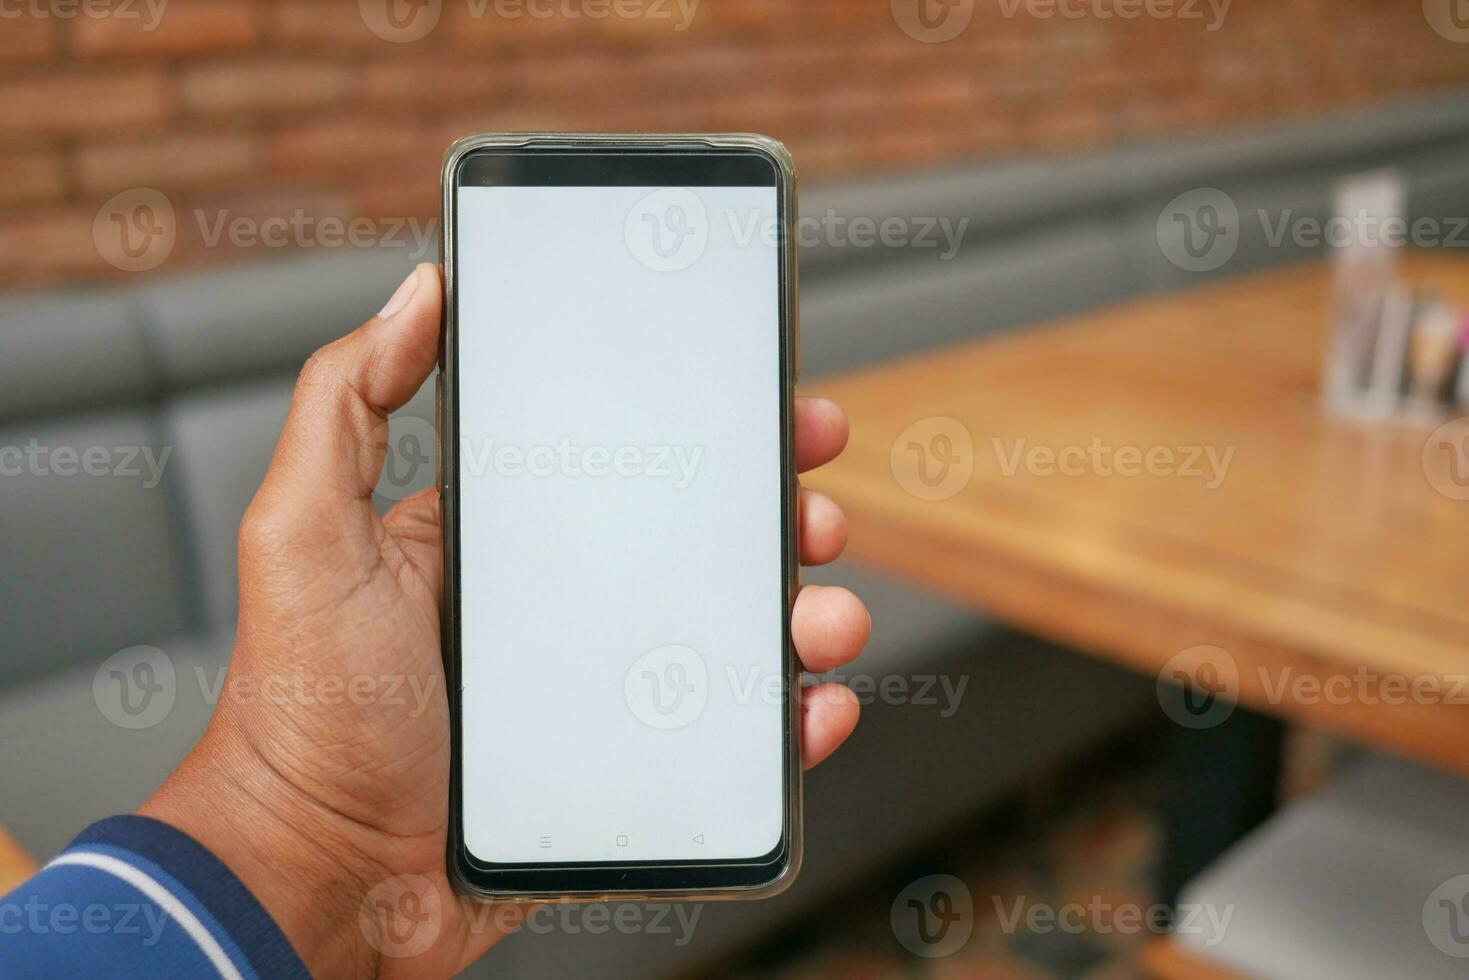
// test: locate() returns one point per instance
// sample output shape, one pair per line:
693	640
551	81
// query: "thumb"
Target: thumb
335	437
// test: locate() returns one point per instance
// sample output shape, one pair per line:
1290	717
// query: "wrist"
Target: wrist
303	864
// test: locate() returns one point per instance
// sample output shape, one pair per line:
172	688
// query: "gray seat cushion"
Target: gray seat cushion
867	315
66	763
92	563
981	205
225	438
1348	884
266	317
69	353
1350	139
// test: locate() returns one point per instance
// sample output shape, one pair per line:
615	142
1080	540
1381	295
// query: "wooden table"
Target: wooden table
1323	553
15	864
1164	959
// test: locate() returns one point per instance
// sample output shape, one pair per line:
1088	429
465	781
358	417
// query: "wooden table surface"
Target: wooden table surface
1164	959
1323	553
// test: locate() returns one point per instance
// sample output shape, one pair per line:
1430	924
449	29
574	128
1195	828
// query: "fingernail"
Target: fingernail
401	297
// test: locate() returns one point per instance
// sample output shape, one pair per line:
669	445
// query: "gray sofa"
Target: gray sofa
201	365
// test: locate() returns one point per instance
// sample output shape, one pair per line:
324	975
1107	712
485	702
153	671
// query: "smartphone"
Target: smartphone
619	493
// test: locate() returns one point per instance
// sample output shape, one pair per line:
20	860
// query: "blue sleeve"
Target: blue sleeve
134	898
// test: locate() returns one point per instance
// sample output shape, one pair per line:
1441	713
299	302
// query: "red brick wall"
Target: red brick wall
262	108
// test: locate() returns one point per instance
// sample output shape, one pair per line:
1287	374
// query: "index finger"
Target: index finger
821	432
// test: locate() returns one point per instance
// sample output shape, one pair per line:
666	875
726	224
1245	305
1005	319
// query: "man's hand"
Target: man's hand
314	802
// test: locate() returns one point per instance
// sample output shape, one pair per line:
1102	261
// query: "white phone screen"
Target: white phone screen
620	504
